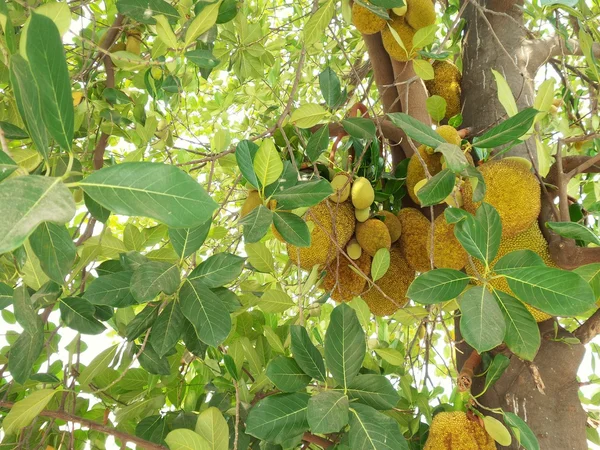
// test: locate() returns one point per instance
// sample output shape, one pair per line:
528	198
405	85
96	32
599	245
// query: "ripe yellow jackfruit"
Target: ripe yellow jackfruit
341	187
513	190
362	193
406	33
446	83
449	134
394	284
415	171
331	221
454	430
373	235
531	239
392	223
420	13
414	240
447	251
252	201
343	282
365	21
134	42
362	214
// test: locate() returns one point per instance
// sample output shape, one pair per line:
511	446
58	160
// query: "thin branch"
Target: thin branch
589	329
541	50
318	440
465	377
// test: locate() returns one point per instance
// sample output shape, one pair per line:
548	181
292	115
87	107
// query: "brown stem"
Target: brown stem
389	130
318	440
465	377
589	329
411	91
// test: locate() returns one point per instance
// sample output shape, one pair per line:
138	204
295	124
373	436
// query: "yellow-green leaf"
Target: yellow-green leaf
497	430
267	163
423	69
505	95
317	24
24	411
165	32
202	23
390	355
308	115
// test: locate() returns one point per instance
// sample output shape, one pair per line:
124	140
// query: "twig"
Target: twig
589	329
318	440
465	377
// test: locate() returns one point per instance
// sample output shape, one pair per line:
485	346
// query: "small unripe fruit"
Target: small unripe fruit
400	11
353	249
315	311
341	187
363	194
134	44
156	73
362	214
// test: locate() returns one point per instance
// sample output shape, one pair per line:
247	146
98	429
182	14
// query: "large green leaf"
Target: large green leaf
494	372
373	390
29	201
152	278
218	270
437	286
278	417
507	131
77	313
360	128
6	295
287	375
267	163
292	228
112	290
98	365
328	412
306	354
159	191
187	241
522	432
275	301
453	156
24	411
303	194
372	430
205	311
244	155
153	429
590	273
53	246
256	224
7	166
142	321
184	439
480	235
437	188
212	426
317	143
417	130
144	11
46	56
330	87
150	361
167	329
481	323
345	345
574	230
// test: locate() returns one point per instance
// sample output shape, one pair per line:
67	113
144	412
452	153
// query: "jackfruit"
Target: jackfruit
446	83
531	239
331	221
401	10
513	190
420	13
354	249
341	187
392	223
414	240
366	21
373	235
449	134
415	171
343	282
134	42
447	251
252	201
406	33
454	430
394	285
362	214
363	194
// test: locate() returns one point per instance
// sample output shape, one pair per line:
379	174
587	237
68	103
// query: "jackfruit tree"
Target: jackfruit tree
336	224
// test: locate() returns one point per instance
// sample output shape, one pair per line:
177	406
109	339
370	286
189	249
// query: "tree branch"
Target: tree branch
539	51
321	442
465	377
389	130
589	329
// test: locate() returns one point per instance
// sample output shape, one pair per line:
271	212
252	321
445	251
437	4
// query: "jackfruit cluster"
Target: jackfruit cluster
366	21
343	281
455	430
415	238
446	83
373	235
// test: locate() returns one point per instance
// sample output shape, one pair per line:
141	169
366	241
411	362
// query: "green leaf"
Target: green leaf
436	107
6	295
159	191
142	321
287	375
277	418
328	412
184	439
6	25
98	365
12	132
153	429
317	24
522	432
144	11
218	270
46	56
112	290
24	411
437	286
454	157
306	354
589	272
267	163
150	361
212	426
317	143
186	241
345	345
423	68
97	211
507	131
423	37
275	301
260	257
310	114
390	355
7	166
77	313
573	230
152	278
437	188
303	194
522	333
167	329
53	246
330	87
360	128
380	263
256	224
244	155
517	260
202	23
165	32
292	228
505	94
372	430
40	199
481	323
480	236
205	311
417	130
374	390
499	364
203	59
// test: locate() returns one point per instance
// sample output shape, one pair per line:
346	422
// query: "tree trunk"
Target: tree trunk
545	393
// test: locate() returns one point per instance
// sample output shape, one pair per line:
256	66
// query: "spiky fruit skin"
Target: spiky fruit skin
531	239
447	251
252	201
446	84
449	134
329	219
406	33
420	13
394	284
341	187
373	235
362	193
455	431
365	21
513	190
343	282
392	223
414	241
416	173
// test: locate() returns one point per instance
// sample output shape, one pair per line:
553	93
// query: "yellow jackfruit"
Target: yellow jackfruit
362	193
406	33
354	249
392	223
446	83
362	214
343	282
373	235
449	134
252	201
531	239
447	251
331	221
416	173
341	187
394	285
366	21
454	430
414	240
420	13
134	42
513	190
